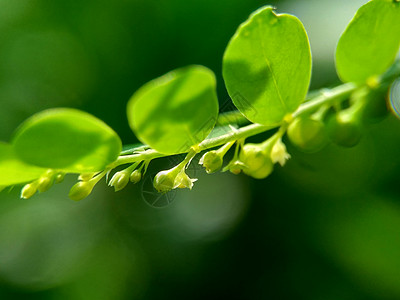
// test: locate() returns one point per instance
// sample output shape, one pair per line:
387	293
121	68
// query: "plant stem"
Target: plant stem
324	97
338	93
132	158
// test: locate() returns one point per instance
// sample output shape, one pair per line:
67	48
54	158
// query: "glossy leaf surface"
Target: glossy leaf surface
267	66
12	170
66	139
175	111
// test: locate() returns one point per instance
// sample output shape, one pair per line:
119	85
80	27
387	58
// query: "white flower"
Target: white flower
184	181
279	153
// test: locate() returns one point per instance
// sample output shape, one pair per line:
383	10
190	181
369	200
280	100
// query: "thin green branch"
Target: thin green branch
323	97
327	97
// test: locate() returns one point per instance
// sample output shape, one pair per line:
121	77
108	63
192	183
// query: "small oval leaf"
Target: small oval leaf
175	111
12	170
267	66
370	42
66	139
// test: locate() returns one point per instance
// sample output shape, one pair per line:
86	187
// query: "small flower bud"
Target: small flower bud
59	178
307	134
164	181
345	129
29	190
279	153
119	180
183	181
136	176
212	161
80	190
258	163
173	178
46	181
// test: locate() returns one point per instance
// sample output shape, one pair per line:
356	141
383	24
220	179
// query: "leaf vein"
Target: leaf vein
270	69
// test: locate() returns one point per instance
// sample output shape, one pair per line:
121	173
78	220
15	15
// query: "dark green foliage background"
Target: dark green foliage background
327	226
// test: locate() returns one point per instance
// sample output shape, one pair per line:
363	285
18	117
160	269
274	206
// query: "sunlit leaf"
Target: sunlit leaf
66	139
370	42
175	111
12	170
267	66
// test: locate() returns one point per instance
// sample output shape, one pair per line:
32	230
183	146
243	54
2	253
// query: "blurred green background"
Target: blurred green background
327	226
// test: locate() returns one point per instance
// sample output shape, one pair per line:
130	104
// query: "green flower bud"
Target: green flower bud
46	181
212	161
164	181
344	129
29	190
44	184
279	153
258	163
136	176
307	134
174	178
80	190
119	180
59	178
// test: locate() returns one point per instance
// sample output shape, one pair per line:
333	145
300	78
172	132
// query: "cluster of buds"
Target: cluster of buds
342	126
42	184
122	178
257	160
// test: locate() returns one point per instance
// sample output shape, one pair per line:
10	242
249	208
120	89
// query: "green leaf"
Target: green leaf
175	111
267	66
370	42
66	139
12	170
